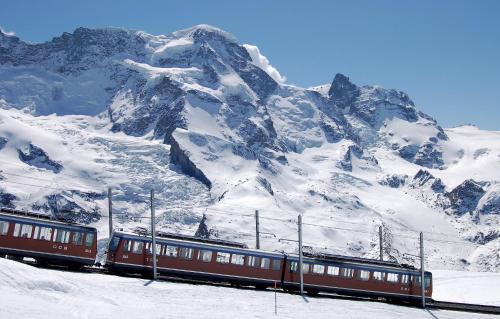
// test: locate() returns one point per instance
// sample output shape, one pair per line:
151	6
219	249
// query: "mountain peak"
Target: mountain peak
342	90
204	32
4	33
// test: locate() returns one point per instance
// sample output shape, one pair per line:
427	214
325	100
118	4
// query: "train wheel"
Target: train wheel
3	255
260	287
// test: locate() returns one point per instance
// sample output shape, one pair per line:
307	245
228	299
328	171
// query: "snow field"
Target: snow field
30	292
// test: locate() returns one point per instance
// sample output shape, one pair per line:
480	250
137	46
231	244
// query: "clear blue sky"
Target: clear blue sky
445	54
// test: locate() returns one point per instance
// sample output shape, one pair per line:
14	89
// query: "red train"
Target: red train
232	263
24	234
30	235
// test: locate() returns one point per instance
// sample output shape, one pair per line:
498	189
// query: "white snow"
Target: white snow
467	287
34	293
479	156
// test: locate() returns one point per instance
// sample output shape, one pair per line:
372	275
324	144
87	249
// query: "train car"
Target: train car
25	234
189	257
235	264
357	277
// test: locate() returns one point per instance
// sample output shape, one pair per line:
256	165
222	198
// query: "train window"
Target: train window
35	233
127	246
253	261
305	268
427	281
162	250
294	266
89	239
265	263
23	230
392	277
158	249
186	253
237	259
138	247
318	269
62	236
364	275
405	279
276	264
17	230
205	255
347	272
377	275
26	231
114	244
77	238
223	258
149	248
333	270
171	251
43	233
4	227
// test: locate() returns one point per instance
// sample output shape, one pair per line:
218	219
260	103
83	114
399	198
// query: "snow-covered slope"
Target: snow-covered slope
39	293
214	128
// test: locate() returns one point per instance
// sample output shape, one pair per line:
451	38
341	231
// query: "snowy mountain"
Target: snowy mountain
213	128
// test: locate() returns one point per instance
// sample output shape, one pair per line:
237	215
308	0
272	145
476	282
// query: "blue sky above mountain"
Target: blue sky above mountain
443	54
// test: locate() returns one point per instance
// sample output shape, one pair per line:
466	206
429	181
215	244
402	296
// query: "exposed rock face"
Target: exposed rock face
355	150
70	206
3	141
181	157
490	202
394	181
35	156
202	230
424	178
465	197
265	183
429	156
343	92
484	238
346	162
6	199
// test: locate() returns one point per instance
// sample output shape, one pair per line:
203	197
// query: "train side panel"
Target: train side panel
202	262
43	240
263	269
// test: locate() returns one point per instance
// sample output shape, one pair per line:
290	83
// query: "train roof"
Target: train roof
220	242
215	244
39	217
340	258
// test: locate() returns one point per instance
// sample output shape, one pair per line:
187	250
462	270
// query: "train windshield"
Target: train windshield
428	281
114	244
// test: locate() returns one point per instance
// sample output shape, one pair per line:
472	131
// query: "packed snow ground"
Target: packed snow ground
29	292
